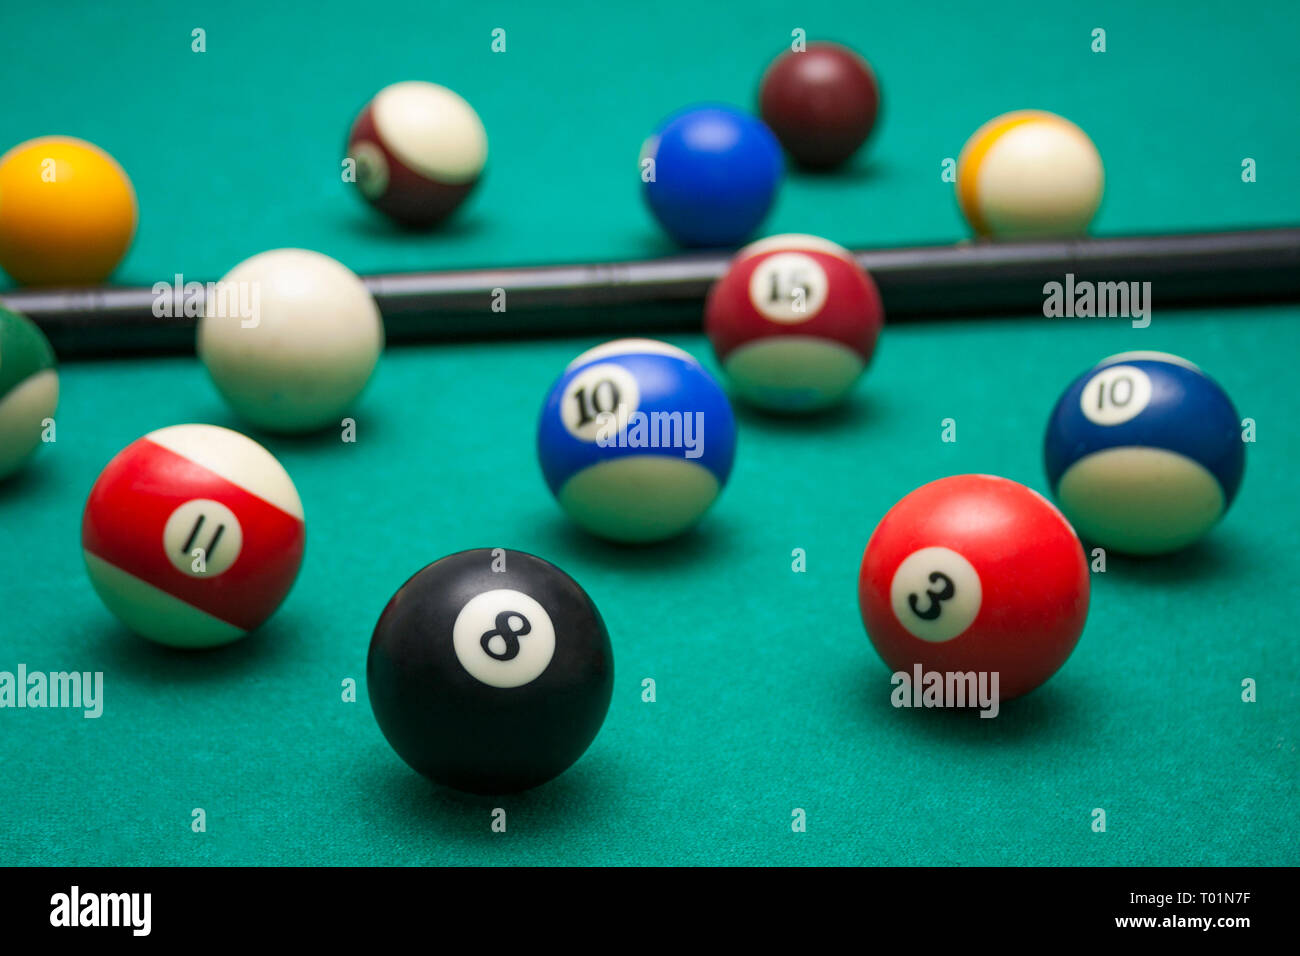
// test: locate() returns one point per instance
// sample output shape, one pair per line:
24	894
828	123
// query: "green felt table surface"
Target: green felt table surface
769	696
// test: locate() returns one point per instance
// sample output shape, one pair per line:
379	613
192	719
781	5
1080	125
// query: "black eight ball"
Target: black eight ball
490	671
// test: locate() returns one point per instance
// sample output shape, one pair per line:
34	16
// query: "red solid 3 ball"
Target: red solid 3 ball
975	573
419	150
794	322
821	103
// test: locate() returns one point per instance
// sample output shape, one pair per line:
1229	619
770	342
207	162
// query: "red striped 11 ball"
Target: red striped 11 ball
419	150
1144	452
975	573
794	322
193	535
490	671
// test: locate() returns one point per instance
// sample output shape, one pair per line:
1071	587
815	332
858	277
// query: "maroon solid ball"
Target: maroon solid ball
821	103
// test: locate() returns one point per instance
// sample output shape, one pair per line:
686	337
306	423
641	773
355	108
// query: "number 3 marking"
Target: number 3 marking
935	594
936	597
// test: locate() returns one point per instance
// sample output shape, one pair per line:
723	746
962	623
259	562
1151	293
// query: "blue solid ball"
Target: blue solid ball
716	170
636	440
1144	453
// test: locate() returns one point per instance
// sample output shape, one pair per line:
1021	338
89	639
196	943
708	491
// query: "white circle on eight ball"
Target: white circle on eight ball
207	525
788	287
595	394
935	594
1116	394
503	638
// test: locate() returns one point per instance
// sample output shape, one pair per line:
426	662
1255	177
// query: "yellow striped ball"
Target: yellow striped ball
1029	174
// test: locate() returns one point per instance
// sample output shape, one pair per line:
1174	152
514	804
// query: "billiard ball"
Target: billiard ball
290	338
975	573
1144	452
29	389
67	212
636	440
419	150
821	102
793	322
1029	174
710	174
490	671
193	535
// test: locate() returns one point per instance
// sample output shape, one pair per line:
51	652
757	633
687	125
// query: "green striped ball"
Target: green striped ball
29	388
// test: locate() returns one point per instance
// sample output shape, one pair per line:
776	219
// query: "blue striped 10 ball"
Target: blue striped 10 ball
636	440
1144	452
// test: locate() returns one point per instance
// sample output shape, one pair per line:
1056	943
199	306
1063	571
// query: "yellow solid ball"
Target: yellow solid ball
67	212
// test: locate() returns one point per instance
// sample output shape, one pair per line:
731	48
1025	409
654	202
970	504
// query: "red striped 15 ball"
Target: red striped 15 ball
419	149
975	573
193	535
794	322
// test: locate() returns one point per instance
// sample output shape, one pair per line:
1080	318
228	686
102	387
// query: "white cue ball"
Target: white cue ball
290	338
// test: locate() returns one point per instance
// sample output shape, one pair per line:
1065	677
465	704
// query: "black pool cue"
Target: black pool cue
660	295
